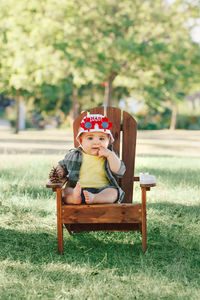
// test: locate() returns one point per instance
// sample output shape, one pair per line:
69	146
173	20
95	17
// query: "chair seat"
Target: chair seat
101	213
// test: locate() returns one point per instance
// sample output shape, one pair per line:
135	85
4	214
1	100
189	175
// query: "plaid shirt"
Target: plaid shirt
72	164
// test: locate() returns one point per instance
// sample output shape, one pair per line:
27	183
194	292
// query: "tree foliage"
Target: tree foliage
55	51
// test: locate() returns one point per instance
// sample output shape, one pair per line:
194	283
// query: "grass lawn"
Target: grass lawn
99	265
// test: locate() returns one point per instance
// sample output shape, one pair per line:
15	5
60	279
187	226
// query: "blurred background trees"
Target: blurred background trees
63	57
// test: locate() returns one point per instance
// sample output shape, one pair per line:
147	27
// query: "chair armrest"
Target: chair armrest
147	180
56	185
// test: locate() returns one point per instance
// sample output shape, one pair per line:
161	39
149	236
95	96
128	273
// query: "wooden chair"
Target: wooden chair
125	216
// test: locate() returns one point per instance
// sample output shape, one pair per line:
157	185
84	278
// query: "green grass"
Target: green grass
98	265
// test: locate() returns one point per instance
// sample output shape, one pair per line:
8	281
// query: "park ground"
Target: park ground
99	265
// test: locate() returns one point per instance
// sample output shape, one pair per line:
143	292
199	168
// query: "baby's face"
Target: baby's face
92	141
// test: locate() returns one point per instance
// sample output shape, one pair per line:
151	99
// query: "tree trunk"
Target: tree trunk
109	89
20	123
74	112
174	117
75	107
17	112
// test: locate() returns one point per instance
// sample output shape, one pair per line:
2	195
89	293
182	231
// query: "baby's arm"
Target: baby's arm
113	160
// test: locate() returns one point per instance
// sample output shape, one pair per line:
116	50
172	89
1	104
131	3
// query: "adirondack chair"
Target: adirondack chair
125	216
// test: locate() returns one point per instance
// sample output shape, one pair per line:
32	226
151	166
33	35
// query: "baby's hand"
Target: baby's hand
104	152
60	171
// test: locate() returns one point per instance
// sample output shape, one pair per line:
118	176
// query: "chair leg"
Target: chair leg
69	229
144	222
59	224
144	242
60	238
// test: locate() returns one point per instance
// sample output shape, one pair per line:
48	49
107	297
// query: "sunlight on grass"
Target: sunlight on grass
99	265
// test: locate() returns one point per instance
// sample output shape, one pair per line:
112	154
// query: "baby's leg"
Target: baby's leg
108	195
73	196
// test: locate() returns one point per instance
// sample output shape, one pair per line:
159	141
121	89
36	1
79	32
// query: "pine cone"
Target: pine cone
53	176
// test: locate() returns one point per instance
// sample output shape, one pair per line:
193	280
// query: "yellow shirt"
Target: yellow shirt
92	172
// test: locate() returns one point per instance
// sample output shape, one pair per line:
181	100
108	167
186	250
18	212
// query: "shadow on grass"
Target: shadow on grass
40	248
121	251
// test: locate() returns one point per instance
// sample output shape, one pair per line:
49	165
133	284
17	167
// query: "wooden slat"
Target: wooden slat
128	155
56	185
106	227
114	115
148	185
144	218
59	222
102	213
76	126
97	110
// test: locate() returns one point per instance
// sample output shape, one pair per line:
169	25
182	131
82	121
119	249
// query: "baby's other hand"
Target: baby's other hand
60	171
104	152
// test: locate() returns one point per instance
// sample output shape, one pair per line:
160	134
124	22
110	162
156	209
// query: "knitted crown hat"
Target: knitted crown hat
95	123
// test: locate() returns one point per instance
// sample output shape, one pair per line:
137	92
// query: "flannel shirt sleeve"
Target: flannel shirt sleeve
63	163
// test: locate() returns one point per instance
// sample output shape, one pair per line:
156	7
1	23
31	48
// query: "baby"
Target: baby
92	167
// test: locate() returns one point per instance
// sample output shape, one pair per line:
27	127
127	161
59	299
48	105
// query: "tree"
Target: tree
126	43
130	46
29	59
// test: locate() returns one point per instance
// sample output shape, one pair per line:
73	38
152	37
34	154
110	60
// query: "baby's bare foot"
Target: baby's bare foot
77	194
89	197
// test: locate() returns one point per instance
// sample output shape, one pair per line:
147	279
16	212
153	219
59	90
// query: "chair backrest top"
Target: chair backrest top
124	130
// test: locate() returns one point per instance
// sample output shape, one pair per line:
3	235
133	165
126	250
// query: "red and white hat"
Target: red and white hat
95	123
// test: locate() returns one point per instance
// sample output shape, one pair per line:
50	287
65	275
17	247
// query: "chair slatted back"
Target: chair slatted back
128	126
129	133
